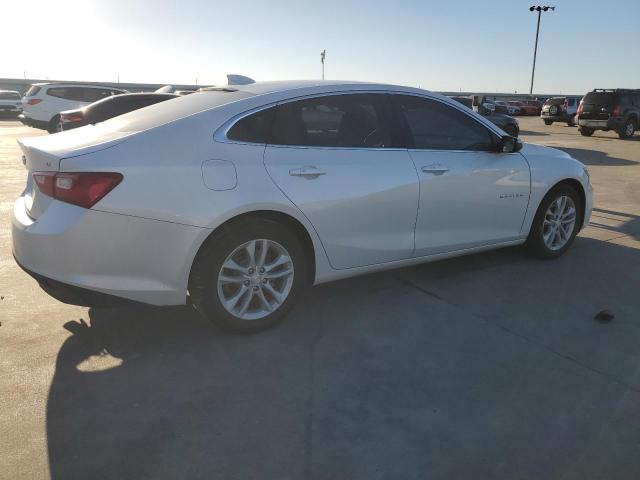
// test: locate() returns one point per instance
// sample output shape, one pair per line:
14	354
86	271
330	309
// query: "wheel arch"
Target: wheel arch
285	219
578	187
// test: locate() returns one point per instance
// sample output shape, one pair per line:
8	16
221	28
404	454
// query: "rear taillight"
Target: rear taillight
565	105
616	111
34	101
580	108
71	117
84	189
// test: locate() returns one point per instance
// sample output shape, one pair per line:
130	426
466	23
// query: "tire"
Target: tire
548	122
540	242
511	130
586	131
572	121
54	124
208	295
628	130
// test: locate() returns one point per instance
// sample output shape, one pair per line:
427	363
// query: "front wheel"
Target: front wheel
586	131
556	223
249	277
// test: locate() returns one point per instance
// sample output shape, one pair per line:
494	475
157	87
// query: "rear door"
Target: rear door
333	157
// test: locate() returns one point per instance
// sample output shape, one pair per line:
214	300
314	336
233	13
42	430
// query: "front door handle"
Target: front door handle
435	168
308	171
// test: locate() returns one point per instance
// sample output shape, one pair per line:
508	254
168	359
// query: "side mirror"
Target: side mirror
508	144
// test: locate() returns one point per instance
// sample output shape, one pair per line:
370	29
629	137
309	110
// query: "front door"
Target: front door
470	194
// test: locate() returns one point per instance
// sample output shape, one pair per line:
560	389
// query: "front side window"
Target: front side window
434	125
349	120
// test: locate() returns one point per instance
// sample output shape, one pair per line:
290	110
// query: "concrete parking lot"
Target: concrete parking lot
484	367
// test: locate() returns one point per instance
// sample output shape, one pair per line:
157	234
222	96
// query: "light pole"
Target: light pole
539	9
323	54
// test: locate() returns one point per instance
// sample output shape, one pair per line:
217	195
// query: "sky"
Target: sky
451	45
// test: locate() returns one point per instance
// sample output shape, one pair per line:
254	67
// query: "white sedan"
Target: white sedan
235	199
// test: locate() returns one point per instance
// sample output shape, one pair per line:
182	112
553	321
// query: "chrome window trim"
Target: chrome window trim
220	135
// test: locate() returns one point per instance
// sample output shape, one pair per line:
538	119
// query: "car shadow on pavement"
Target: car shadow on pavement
533	134
487	366
596	157
618	222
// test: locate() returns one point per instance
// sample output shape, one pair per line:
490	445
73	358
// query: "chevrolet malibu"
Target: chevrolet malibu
235	199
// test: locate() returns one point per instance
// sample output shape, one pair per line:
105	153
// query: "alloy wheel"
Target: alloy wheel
559	223
255	279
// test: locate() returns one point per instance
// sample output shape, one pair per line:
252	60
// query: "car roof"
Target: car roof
57	84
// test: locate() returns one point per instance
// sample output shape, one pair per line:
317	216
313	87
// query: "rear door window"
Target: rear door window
349	120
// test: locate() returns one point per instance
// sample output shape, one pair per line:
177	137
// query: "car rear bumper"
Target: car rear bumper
85	256
31	122
560	117
614	123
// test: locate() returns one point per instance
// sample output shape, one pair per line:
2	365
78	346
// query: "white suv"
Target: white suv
43	102
10	102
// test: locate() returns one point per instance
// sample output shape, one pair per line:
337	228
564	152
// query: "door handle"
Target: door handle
435	168
308	171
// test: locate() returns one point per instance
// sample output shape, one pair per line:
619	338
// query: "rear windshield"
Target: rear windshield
600	98
32	91
555	101
162	113
9	96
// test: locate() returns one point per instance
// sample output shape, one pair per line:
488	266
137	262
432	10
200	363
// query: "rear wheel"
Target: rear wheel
248	278
586	131
55	125
628	130
556	223
548	122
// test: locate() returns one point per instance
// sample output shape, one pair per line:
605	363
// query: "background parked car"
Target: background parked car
43	102
501	107
560	109
523	108
509	124
534	103
610	109
110	107
10	102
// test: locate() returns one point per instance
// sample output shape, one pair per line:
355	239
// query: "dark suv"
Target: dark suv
610	109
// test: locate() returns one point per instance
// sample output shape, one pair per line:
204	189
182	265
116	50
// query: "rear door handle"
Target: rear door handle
435	168
308	171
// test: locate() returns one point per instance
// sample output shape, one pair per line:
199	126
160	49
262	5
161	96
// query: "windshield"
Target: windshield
9	96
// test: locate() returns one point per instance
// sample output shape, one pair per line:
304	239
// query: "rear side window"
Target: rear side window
434	125
348	120
95	94
59	92
32	91
253	128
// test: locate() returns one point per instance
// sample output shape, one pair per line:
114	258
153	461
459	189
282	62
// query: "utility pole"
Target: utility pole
539	9
323	54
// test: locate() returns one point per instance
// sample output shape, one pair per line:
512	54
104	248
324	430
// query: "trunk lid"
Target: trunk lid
43	154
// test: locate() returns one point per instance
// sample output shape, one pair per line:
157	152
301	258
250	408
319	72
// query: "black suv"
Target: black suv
610	109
